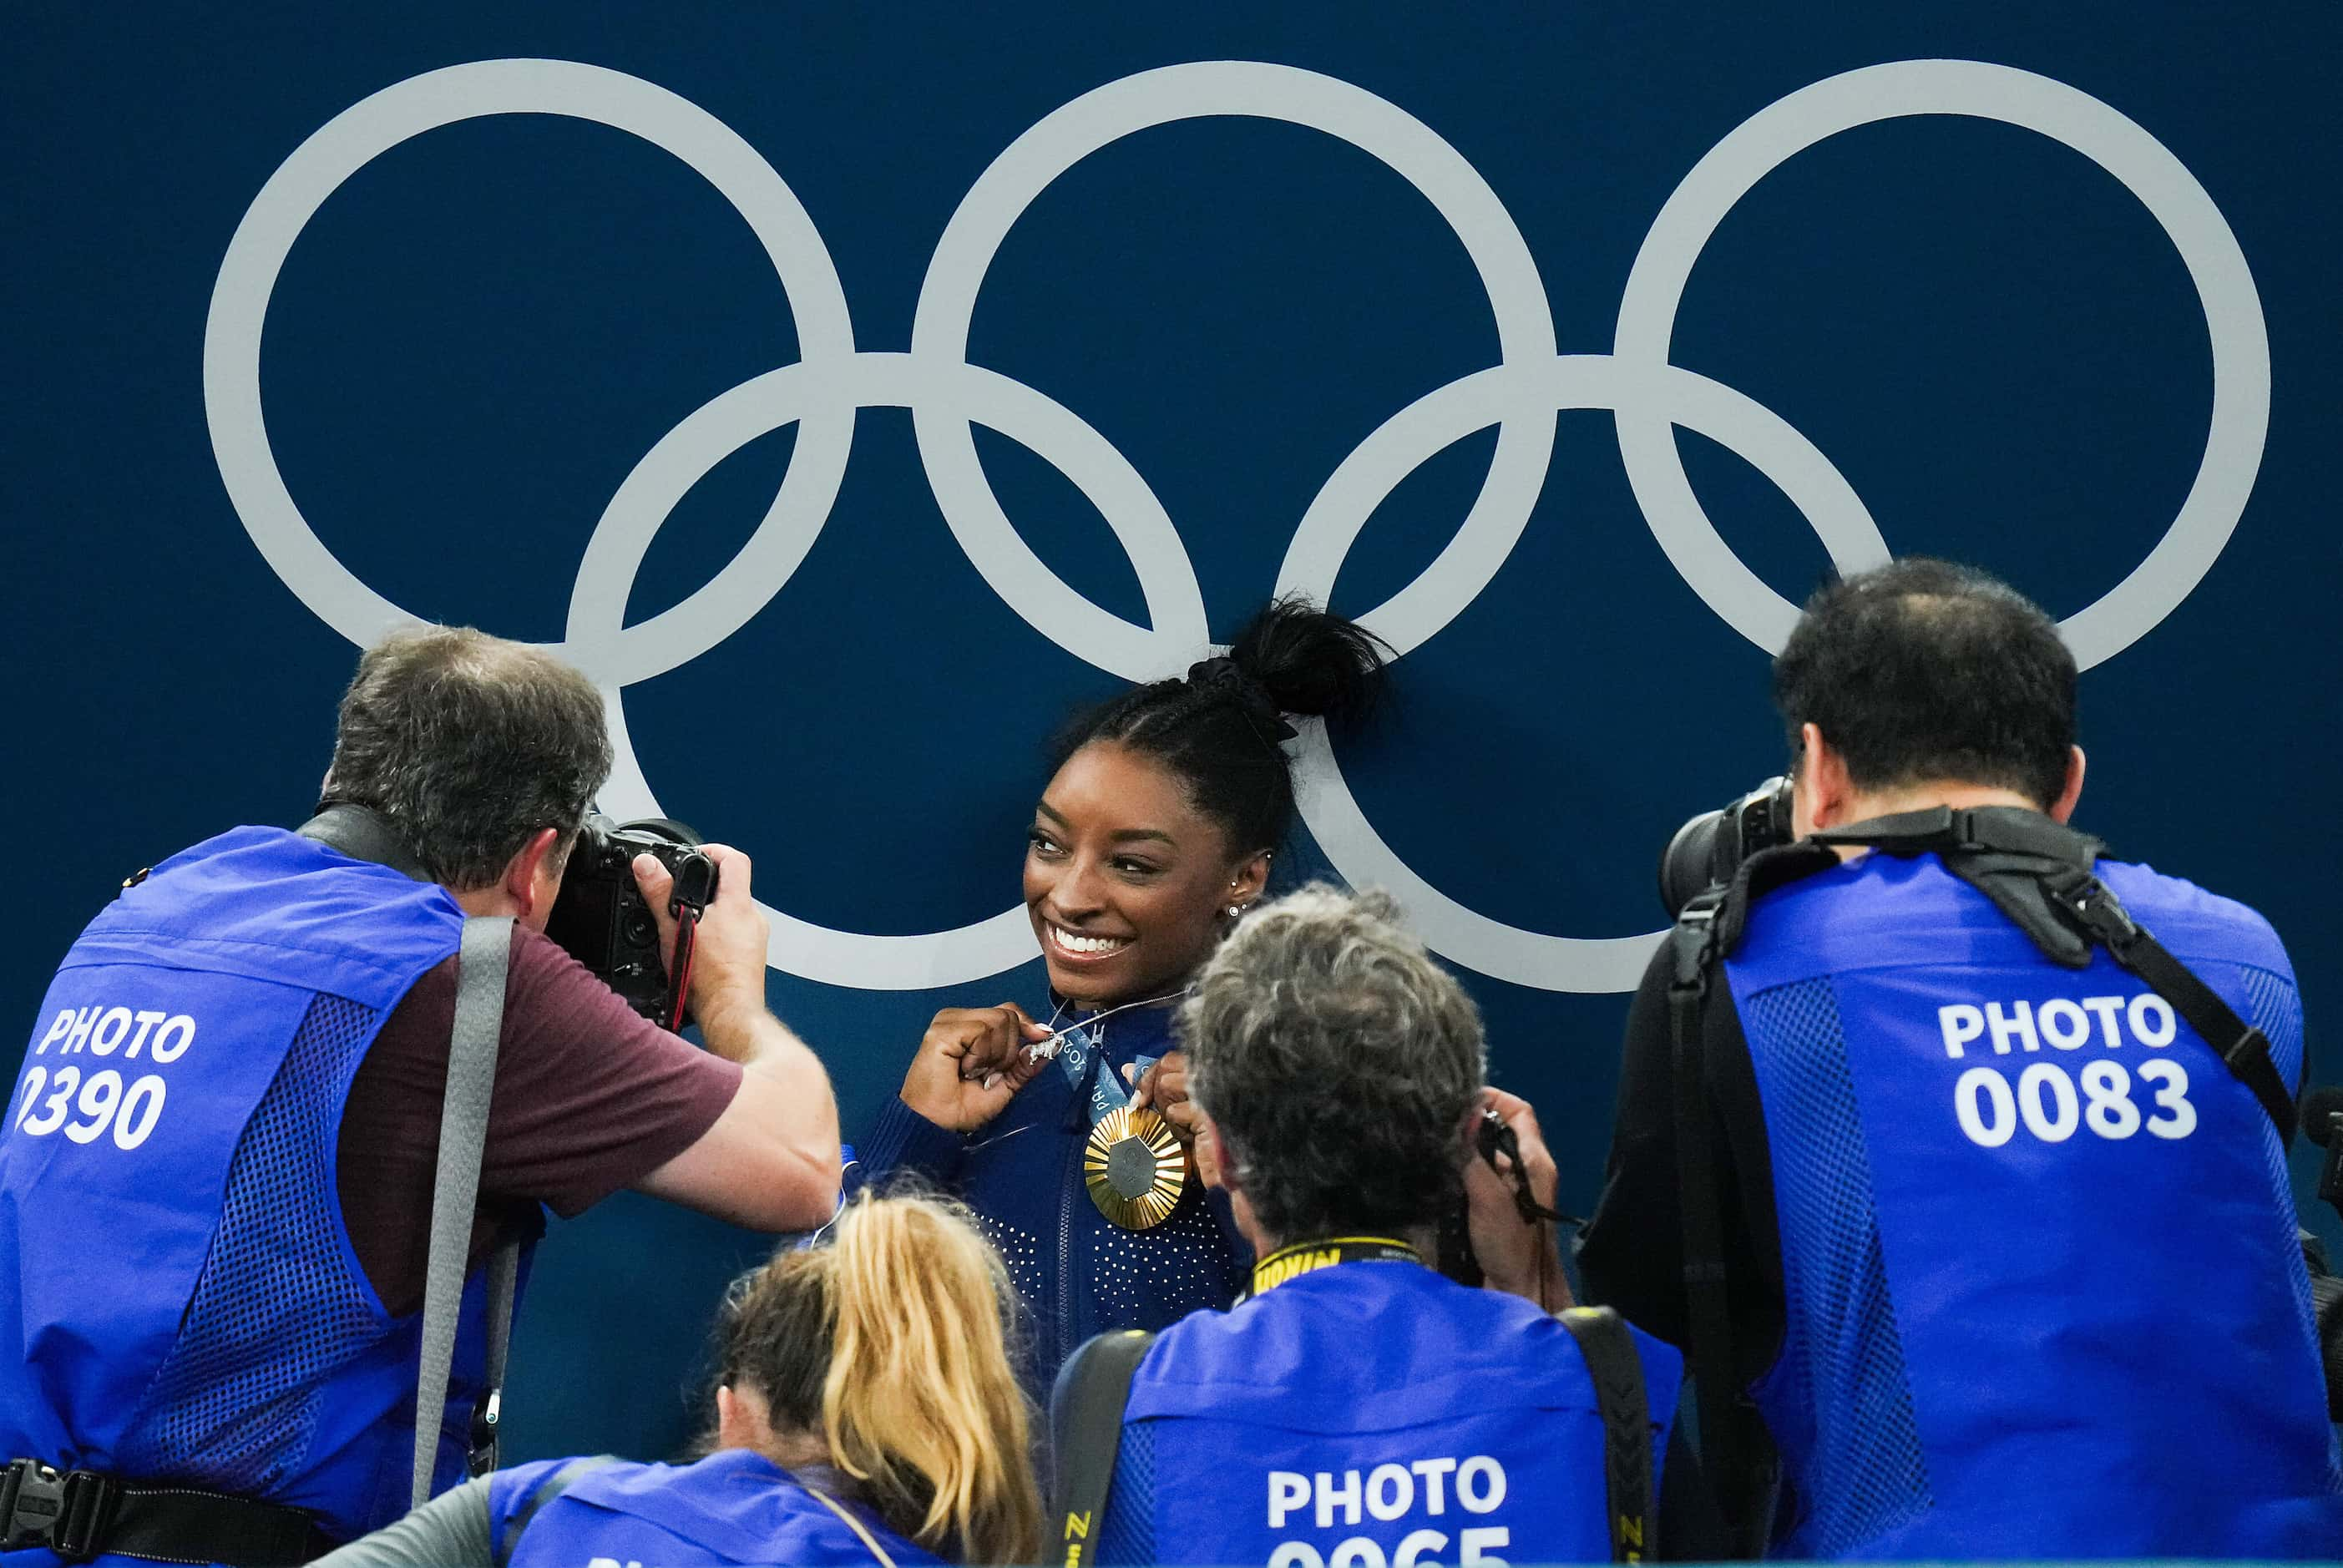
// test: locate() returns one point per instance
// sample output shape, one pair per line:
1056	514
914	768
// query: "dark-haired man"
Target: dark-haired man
218	1174
2008	1255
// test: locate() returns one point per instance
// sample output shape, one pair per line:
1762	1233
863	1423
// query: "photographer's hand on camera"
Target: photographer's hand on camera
1516	1257
771	1160
970	1064
728	944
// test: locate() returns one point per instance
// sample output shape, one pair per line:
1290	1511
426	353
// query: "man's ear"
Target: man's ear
1822	787
1211	1168
1468	1133
520	881
2063	808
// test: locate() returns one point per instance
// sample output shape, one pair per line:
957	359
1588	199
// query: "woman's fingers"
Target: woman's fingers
1164	1084
1032	1031
964	1073
987	1039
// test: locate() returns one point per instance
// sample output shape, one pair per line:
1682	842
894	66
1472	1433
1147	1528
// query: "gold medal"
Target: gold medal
1134	1168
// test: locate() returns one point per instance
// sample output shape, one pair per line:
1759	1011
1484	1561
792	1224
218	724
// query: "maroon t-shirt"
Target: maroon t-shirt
588	1098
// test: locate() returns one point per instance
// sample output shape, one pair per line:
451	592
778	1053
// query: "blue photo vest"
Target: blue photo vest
734	1506
1376	1413
178	1299
2044	1297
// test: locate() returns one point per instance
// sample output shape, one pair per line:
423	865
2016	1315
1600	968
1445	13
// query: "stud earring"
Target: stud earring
1235	910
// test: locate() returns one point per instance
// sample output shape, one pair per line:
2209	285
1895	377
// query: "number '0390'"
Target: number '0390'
86	1109
2045	1102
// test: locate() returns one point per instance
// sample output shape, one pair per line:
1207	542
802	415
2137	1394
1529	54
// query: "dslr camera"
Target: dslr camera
602	919
1707	851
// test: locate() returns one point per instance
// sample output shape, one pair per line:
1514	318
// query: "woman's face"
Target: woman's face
1127	883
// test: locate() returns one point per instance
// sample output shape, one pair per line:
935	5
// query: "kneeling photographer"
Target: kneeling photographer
260	1071
1356	1406
1954	1153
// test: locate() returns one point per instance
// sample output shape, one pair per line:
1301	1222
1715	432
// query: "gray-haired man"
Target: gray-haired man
235	1083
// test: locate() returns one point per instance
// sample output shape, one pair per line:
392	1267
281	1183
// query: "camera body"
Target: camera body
1491	1139
1708	849
601	917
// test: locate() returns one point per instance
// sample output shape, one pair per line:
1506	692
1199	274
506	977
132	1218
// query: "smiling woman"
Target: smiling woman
1066	1127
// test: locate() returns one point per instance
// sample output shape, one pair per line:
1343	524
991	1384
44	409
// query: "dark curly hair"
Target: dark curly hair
1339	1063
1922	671
1221	728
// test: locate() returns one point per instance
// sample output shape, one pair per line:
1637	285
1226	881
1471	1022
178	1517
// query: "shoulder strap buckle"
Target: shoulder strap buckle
69	1512
1692	942
485	1416
2101	912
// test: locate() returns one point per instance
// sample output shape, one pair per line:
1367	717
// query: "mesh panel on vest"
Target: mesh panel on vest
1865	1474
2273	1007
1127	1533
274	1309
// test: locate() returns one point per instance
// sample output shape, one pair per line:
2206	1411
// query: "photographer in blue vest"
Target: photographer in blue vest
218	1169
1953	1152
865	1413
1358	1408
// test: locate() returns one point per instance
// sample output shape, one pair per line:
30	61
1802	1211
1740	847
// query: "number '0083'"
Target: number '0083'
2045	1102
84	1108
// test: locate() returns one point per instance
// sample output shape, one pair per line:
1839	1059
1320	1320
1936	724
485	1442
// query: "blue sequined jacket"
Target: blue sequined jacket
1080	1274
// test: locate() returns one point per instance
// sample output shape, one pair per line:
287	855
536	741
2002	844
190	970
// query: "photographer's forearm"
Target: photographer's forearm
762	1044
771	1162
741	1028
1539	1279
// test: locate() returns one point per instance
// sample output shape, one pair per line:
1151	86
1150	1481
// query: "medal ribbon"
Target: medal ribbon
1108	1094
1309	1257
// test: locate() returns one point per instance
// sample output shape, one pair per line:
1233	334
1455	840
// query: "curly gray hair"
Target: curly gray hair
1339	1062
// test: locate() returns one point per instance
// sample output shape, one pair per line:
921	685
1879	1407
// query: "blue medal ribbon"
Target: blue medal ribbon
1107	1092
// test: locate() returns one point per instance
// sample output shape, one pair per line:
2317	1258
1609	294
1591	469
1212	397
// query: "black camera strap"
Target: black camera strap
1086	1436
1736	1453
2044	876
1630	1509
363	833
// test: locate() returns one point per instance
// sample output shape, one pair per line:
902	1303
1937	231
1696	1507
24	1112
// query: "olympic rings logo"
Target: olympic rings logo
1521	396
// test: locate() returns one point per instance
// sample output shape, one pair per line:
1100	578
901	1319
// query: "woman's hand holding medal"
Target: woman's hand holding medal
1164	1086
970	1064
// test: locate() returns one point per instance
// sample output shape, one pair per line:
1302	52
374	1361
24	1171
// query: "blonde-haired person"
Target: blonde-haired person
866	1412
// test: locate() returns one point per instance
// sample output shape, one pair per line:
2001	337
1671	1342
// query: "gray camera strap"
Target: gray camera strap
463	1135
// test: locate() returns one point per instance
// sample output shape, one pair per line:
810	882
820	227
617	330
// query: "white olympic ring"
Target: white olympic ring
1648	396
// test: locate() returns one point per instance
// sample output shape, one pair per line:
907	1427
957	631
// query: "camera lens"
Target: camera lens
1689	862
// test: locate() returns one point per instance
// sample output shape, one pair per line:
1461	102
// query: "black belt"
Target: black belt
79	1513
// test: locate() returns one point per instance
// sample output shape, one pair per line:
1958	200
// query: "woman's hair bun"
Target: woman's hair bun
1310	660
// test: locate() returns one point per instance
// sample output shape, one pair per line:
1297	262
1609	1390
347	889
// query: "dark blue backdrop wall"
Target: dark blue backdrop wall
686	334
